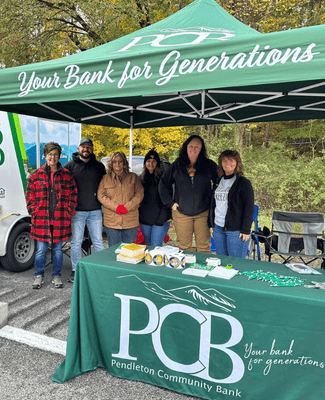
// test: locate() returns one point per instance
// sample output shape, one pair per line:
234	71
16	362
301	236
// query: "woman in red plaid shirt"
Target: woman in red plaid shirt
51	198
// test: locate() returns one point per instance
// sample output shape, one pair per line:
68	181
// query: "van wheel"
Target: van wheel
21	249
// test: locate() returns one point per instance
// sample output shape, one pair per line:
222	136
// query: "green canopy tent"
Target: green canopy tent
198	66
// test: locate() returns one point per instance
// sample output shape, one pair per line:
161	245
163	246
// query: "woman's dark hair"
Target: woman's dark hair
183	157
111	159
145	173
235	156
51	146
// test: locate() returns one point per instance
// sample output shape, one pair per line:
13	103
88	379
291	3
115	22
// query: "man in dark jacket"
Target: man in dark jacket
87	172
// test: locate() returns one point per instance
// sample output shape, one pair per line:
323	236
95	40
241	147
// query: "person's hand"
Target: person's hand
121	210
211	231
244	237
175	206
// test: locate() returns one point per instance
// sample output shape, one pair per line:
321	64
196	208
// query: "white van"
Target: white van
17	249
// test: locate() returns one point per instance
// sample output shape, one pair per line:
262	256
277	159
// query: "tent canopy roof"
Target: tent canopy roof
198	66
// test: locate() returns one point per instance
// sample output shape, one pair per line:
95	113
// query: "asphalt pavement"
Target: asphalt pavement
26	370
25	374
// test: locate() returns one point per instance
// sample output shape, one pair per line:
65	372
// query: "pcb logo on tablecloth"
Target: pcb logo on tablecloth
191	301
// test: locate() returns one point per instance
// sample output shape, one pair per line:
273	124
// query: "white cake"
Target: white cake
133	250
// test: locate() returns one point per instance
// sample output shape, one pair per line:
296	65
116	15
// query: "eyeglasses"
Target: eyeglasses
53	155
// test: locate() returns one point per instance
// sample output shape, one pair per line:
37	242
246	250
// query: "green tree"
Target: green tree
106	140
283	182
276	15
38	30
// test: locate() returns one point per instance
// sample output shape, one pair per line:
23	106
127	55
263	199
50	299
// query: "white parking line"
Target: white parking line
34	339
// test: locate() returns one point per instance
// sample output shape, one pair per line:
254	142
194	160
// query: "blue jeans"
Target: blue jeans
117	236
94	221
155	234
40	258
228	243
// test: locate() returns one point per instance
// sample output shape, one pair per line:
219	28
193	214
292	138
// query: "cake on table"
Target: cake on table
131	253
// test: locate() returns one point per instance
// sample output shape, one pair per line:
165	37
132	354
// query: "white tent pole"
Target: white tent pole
131	138
38	145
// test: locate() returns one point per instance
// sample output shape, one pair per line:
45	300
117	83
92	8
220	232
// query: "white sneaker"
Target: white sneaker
57	282
38	281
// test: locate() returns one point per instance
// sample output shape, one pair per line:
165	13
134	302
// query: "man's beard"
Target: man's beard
85	156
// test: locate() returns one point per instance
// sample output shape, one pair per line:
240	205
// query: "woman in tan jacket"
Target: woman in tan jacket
120	192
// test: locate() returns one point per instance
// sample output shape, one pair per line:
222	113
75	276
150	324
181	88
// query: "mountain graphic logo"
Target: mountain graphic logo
191	294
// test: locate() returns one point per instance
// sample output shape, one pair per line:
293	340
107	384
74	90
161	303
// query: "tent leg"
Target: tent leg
131	139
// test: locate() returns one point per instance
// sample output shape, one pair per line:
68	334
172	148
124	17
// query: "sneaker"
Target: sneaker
71	277
38	281
57	282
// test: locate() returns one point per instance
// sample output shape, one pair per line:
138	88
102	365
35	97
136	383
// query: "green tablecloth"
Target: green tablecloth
206	337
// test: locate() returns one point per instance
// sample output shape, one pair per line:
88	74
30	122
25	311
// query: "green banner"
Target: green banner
206	337
241	73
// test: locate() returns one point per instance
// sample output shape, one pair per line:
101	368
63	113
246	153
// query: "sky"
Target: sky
49	131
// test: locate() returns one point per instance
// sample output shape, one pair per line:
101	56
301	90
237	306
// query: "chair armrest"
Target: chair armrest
260	234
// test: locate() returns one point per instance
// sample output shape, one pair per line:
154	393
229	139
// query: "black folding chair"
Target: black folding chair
87	243
66	246
296	234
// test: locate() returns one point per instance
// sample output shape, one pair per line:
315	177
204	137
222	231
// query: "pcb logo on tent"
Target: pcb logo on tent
2	193
172	37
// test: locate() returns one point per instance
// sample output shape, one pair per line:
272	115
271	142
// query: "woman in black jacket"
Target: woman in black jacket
154	216
232	207
186	187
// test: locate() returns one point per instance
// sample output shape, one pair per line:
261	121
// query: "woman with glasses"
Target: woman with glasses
120	192
51	201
